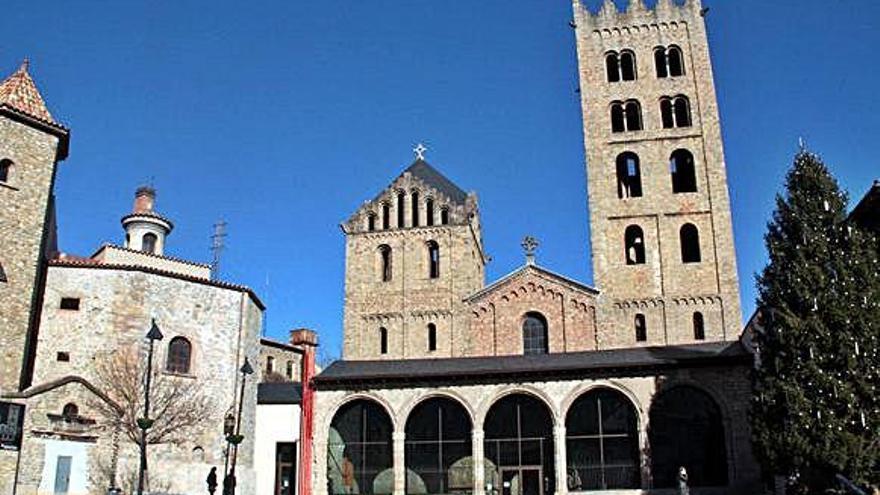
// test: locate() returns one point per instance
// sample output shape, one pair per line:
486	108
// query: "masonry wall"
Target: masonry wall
654	287
24	201
281	357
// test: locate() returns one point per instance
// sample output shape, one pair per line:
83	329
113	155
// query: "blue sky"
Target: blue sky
281	117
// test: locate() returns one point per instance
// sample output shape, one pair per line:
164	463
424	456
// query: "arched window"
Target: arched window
433	259
684	174
401	201
3	274
432	337
437	448
675	60
385	263
535	334
699	326
629	176
682	110
386	216
5	170
634	243
444	216
626	116
660	61
618	121
383	340
148	243
70	412
666	115
371	222
602	442
179	356
641	328
687	430
612	66
359	450
690	243
415	208
627	65
429	212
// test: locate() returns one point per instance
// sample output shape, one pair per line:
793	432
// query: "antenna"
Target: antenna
217	246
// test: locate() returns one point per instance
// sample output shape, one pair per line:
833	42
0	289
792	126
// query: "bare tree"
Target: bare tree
178	404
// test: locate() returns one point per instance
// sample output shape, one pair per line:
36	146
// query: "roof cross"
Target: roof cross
420	150
530	244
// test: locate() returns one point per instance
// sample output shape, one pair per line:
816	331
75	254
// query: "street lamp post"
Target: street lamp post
236	439
144	423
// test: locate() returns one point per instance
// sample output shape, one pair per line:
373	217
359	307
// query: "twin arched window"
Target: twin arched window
699	326
620	66
634	243
433	259
684	174
385	263
383	340
690	243
626	116
179	356
415	213
5	170
675	111
535	334
432	337
668	61
641	328
148	243
629	176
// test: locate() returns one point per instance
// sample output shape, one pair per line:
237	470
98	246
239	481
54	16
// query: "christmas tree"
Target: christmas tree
816	411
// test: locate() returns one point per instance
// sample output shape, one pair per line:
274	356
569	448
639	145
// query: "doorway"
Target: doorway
62	474
285	469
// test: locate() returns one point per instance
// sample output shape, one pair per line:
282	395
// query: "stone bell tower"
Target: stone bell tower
31	145
145	229
662	240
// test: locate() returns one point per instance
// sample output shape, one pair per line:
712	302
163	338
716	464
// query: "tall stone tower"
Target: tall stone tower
412	254
662	240
31	145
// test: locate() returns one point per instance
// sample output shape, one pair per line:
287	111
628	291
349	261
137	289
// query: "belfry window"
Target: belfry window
535	334
629	176
620	67
371	222
444	216
612	66
386	216
383	340
415	208
626	116
690	243
641	328
634	245
432	337
433	259
429	212
675	112
148	243
684	174
385	263
699	326
5	170
669	62
179	356
401	202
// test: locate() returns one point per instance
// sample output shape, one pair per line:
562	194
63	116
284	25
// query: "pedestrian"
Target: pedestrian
212	481
683	481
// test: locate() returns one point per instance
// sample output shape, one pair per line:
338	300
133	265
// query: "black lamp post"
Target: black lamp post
145	423
236	438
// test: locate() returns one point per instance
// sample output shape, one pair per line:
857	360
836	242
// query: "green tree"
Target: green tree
816	410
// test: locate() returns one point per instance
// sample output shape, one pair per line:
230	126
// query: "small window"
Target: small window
62	357
70	412
612	66
3	278
627	66
385	263
666	116
148	243
675	60
682	110
699	326
433	260
290	370
432	337
179	356
401	202
5	170
684	174
633	115
383	340
629	176
386	216
270	365
444	216
690	243
641	328
371	222
535	334
70	303
660	62
429	212
634	242
618	121
415	208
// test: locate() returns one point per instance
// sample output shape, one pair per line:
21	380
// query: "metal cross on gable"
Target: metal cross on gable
529	244
420	150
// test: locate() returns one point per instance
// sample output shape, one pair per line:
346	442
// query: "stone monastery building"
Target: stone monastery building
536	383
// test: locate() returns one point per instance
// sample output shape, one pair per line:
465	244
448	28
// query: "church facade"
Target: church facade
537	383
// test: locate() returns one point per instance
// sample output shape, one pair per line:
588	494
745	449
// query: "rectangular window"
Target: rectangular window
63	357
70	303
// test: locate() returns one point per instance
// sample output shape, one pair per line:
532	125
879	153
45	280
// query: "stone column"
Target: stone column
560	460
399	463
477	437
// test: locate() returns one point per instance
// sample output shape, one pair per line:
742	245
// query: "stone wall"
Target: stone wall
282	354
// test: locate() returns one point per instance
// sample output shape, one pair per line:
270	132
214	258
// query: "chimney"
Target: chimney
144	198
308	341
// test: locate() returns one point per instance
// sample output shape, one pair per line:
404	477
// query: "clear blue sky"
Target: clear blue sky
281	117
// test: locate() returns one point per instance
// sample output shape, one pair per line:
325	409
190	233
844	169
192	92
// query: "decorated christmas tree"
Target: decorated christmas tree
816	411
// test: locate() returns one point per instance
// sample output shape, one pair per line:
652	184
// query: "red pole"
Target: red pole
308	340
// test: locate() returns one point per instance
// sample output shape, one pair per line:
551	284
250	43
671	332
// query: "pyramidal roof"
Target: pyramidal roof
430	176
19	92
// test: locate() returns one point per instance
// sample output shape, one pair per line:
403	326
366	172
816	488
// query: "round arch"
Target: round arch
407	409
360	448
483	410
438	454
583	388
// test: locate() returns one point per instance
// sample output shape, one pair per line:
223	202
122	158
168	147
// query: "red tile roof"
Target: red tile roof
19	92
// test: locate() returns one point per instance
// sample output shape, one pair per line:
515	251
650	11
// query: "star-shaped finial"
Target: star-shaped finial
530	244
420	150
